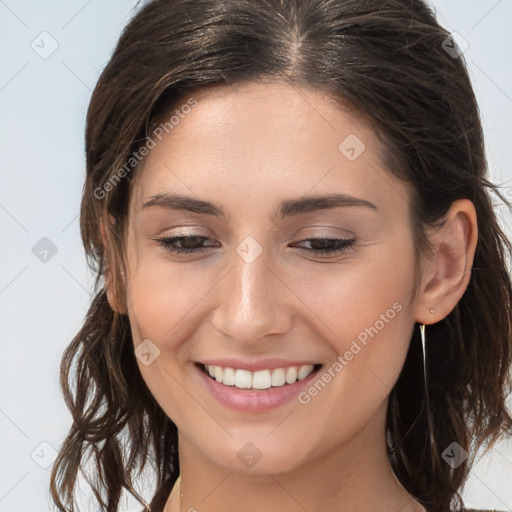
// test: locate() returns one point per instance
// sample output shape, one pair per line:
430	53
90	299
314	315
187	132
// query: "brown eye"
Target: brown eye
322	246
188	244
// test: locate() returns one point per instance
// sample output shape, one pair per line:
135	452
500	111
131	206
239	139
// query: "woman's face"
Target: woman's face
244	170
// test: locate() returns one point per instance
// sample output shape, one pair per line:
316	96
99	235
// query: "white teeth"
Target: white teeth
278	377
243	379
304	371
229	377
262	379
291	375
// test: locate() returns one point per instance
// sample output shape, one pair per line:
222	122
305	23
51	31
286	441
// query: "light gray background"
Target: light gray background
43	102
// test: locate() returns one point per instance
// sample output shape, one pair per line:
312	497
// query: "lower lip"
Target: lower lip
255	401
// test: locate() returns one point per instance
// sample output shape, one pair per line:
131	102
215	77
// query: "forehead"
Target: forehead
257	113
258	139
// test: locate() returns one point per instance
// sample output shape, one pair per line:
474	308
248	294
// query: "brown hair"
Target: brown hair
388	60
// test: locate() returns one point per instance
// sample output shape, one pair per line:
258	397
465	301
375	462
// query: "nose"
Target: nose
252	301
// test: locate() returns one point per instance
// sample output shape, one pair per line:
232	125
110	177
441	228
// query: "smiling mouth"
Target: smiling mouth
259	380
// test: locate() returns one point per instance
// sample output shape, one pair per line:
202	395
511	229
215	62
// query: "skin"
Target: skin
246	148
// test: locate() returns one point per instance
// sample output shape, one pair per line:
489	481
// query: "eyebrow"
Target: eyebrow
285	208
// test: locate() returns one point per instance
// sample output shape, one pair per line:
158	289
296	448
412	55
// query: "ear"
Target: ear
446	276
110	284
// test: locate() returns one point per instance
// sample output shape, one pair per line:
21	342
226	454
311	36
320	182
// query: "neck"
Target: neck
355	476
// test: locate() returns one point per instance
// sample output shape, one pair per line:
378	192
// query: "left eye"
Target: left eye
192	244
329	245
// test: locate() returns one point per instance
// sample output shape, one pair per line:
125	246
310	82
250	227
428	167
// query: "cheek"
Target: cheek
350	297
161	300
161	304
369	319
364	311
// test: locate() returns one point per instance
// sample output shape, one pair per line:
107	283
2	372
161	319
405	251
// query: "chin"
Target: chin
255	457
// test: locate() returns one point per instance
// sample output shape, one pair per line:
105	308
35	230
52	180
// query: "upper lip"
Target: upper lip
255	365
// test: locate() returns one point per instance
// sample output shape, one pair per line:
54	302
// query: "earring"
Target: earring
422	332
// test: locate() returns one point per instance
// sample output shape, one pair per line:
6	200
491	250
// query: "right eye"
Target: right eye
190	244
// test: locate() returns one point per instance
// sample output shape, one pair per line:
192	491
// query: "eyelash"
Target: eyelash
343	244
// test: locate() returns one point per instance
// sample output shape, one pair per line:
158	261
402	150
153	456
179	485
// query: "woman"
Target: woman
303	301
